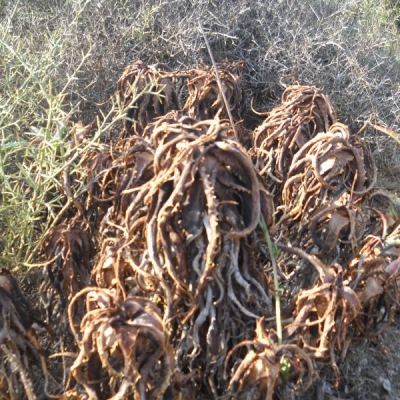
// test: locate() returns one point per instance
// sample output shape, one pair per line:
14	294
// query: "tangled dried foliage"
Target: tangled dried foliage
147	92
304	113
257	375
205	100
122	243
21	354
124	350
204	204
322	177
185	235
113	169
183	303
100	176
151	91
328	176
69	250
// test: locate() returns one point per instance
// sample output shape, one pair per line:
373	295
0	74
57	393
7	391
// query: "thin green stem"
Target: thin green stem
271	251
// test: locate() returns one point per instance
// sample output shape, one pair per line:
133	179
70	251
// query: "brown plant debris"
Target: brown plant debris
147	92
205	100
21	354
304	113
184	302
265	364
69	250
204	205
124	350
322	177
185	238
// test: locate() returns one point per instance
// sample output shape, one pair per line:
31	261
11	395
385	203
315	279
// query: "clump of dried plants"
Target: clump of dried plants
170	278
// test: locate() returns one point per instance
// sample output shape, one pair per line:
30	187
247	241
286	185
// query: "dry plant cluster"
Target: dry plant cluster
159	284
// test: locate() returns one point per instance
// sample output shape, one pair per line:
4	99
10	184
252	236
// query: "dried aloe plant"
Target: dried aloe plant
21	354
258	373
111	171
183	307
324	168
69	251
304	113
204	203
147	92
322	177
375	274
124	350
321	203
121	241
184	238
329	305
100	177
205	100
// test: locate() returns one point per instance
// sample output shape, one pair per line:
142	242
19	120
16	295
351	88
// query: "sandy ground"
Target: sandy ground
372	370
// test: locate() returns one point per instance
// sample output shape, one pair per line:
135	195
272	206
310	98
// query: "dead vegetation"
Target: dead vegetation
23	358
177	300
124	351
